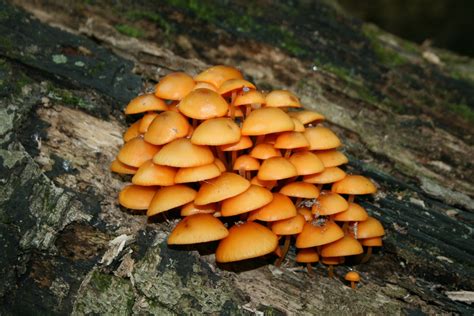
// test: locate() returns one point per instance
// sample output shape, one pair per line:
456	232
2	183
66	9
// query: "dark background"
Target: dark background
446	23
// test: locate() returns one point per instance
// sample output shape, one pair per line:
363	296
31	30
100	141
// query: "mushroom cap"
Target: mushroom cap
197	228
220	164
290	226
234	84
249	97
354	213
331	158
205	85
119	167
369	228
315	235
146	121
330	261
269	184
199	173
145	103
306	163
265	121
217	75
329	175
136	197
264	151
306	116
223	187
241	243
191	209
244	143
354	184
136	151
279	208
346	246
282	98
174	86
300	190
321	138
307	255
203	104
371	242
152	174
216	131
290	140
182	153
306	212
276	168
352	276
299	127
167	198
246	162
329	203
254	197
132	132
167	127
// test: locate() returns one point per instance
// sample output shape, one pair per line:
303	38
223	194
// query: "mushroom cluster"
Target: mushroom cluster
245	169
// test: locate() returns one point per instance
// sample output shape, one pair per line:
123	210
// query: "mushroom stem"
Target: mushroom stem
194	123
309	268
345	227
242	173
260	139
232	108
287	153
367	255
286	246
351	198
298	201
331	271
233	157
353	285
221	156
248	109
320	186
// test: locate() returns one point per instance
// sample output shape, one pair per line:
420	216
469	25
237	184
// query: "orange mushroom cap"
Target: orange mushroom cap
167	127
269	184
217	75
276	168
246	162
234	84
352	276
331	158
354	213
119	167
290	140
199	173
300	190
290	226
354	184
346	246
264	151
306	163
244	143
282	98
329	203
167	198
197	228
136	197
249	97
254	197
306	116
328	175
152	174
320	138
205	85
145	103
191	209
315	235
307	255
182	153
299	127
223	187
265	121
215	132
369	228
279	208
146	121
306	212
136	151
371	242
132	132
174	86
240	243
203	104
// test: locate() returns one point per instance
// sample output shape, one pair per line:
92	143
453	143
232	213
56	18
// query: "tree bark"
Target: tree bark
67	69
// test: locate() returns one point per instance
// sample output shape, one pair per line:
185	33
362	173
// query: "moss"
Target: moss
464	110
136	15
386	55
129	30
68	98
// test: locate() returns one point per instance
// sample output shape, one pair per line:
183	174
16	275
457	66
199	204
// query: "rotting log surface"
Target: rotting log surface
405	118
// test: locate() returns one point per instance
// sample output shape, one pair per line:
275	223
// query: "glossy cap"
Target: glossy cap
223	187
132	132
279	208
136	151
307	255
306	116
290	226
300	190
331	158
241	243
346	246
170	197
245	162
174	86
217	75
265	121
321	138
152	174
290	140
306	163
352	276
182	153
276	168
145	103
315	235
244	143
264	151
191	209
136	197
369	228
118	167
203	104
196	174
233	85
249	97
354	184
282	98
197	228
167	127
215	132
254	197
146	121
329	175
329	203
354	213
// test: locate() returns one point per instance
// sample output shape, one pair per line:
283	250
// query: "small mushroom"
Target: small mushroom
353	277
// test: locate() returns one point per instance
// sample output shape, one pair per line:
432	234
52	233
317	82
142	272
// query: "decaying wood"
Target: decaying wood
70	248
